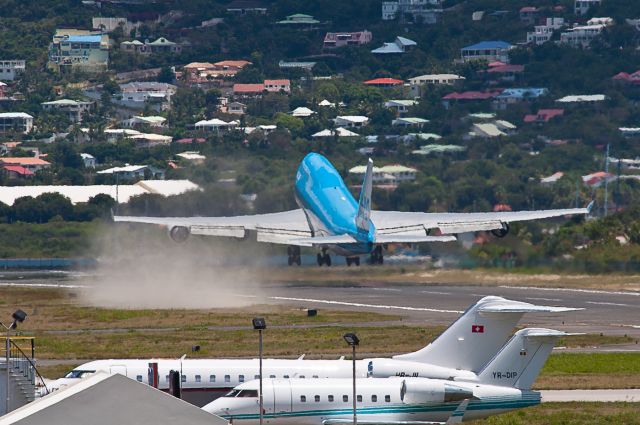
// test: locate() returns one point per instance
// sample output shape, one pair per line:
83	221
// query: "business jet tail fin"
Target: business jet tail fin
474	339
364	205
519	362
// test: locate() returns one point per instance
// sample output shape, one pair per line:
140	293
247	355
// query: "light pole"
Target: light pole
18	316
260	324
353	341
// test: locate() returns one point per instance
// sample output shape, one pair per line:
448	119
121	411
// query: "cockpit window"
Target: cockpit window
78	373
242	393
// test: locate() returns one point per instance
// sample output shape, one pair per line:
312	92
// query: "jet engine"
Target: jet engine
502	232
179	234
416	391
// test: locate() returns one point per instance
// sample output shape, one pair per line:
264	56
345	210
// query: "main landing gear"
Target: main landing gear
294	255
376	256
353	260
324	258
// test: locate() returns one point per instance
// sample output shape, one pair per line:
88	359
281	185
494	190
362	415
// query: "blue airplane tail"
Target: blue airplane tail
364	205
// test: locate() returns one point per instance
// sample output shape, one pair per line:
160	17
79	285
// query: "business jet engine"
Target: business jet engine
419	391
179	234
502	232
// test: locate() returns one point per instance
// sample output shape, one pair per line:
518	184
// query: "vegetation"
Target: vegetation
569	414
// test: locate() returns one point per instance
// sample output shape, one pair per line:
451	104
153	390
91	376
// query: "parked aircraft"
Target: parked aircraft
503	385
330	219
459	352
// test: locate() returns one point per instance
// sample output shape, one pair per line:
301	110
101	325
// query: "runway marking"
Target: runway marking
436	292
586	291
42	285
387	289
386	307
542	299
605	303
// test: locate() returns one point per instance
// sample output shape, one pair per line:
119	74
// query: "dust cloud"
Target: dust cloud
141	267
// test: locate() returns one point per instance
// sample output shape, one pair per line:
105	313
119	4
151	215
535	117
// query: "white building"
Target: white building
581	7
387	175
487	50
74	49
18	122
424	11
11	69
138	95
89	160
302	112
543	33
74	109
350	121
138	121
130	172
409	122
215	124
581	36
193	157
448	79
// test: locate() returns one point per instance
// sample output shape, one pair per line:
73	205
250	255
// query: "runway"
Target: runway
609	312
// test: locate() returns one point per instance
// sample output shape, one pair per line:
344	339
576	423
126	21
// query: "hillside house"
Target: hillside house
421	11
581	7
160	45
351	121
334	40
581	36
140	121
487	50
518	95
529	14
398	46
73	49
215	125
30	163
75	110
401	106
543	116
388	175
88	160
11	69
18	122
247	7
137	95
543	33
277	86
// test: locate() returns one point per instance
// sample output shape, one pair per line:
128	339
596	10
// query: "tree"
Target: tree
166	75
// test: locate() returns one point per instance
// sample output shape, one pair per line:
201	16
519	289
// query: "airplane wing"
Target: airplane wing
398	222
282	228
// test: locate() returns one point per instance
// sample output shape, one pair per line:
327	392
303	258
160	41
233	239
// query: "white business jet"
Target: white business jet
459	352
503	385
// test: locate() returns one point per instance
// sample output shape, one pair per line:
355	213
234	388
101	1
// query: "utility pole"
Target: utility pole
606	182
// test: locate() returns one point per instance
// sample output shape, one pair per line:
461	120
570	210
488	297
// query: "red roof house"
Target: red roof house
384	82
248	88
17	171
544	115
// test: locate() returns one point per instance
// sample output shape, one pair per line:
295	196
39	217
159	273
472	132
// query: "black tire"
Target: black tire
380	259
320	259
327	260
290	260
357	261
348	261
298	260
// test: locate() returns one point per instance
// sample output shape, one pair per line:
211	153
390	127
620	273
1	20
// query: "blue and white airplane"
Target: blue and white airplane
330	218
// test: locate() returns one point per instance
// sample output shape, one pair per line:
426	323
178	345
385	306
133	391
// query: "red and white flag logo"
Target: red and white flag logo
477	329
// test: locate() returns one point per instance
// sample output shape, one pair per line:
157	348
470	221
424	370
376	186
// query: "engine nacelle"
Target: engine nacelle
417	391
179	234
384	368
501	233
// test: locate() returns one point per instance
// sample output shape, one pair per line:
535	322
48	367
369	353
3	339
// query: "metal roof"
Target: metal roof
484	45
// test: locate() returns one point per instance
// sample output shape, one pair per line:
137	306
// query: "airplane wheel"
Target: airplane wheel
327	260
357	261
348	261
320	259
298	260
290	260
380	259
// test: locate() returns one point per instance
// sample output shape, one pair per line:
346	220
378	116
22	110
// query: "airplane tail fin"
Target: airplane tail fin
364	204
472	340
519	362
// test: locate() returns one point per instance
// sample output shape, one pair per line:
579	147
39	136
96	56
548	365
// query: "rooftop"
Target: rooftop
488	45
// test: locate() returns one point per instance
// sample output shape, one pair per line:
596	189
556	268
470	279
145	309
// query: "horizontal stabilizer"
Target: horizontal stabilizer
510	306
413	238
324	240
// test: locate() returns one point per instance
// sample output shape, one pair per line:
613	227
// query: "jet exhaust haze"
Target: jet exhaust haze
140	267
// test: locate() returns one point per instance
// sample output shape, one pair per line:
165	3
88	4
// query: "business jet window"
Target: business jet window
184	378
316	398
315	376
256	376
227	378
78	373
345	398
301	377
359	398
198	378
272	376
374	398
241	378
387	398
285	376
212	378
330	398
303	398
